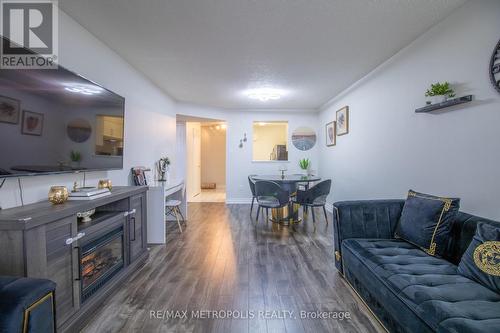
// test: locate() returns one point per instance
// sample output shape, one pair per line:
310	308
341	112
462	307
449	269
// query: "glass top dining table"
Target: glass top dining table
287	178
289	182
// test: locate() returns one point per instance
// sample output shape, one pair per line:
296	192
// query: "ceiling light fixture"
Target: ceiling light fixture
265	94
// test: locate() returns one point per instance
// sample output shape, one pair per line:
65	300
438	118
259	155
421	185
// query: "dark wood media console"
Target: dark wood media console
86	260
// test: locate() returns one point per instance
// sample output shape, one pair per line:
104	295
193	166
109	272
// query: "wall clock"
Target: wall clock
495	68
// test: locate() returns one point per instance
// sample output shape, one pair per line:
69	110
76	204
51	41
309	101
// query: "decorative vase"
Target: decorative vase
85	216
161	176
75	164
58	194
105	183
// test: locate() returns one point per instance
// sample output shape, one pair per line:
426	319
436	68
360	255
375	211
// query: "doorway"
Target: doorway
205	156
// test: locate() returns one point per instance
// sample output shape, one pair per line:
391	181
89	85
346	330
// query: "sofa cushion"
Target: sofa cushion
431	287
481	261
462	232
426	221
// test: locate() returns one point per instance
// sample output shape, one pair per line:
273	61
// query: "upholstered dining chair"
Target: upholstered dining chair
314	197
270	195
251	183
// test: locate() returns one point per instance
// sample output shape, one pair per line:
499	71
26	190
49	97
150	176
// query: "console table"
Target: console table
86	260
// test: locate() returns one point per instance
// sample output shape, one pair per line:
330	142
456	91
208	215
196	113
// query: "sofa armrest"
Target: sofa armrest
364	219
27	305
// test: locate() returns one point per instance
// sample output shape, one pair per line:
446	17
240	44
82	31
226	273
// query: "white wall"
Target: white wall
390	148
239	162
149	113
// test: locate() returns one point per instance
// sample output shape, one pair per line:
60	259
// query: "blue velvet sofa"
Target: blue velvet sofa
405	288
26	305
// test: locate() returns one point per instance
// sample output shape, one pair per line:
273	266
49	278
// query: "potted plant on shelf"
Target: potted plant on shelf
440	92
305	164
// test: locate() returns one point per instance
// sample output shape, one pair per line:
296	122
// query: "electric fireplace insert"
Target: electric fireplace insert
100	260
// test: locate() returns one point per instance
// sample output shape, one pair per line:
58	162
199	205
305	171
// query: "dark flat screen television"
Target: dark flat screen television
55	121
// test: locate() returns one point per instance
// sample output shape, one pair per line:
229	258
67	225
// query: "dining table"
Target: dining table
288	214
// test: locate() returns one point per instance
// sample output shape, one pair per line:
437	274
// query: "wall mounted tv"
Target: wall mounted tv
55	121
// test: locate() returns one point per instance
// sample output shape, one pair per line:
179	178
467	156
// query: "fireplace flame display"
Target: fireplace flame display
100	260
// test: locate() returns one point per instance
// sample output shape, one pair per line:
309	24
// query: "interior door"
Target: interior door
197	160
193	142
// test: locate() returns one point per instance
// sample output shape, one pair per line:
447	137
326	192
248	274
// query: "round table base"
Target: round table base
286	215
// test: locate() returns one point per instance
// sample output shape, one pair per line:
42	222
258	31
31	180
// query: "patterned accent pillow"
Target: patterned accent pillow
481	260
426	221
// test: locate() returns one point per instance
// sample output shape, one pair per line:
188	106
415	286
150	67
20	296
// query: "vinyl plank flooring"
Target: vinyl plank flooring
224	261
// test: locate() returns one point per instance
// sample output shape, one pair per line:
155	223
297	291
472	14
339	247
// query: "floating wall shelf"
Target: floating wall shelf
448	103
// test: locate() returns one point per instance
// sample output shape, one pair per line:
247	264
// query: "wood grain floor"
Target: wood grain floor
225	262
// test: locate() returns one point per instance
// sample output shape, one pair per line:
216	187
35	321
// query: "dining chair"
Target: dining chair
270	195
251	183
314	197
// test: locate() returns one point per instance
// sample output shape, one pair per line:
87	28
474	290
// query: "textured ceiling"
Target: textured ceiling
209	51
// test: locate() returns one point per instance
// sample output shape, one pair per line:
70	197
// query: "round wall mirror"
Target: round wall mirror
304	138
79	130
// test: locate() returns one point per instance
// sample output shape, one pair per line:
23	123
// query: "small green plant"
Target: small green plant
75	156
304	163
164	163
440	89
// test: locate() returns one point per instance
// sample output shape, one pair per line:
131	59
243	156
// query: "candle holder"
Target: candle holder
105	183
58	195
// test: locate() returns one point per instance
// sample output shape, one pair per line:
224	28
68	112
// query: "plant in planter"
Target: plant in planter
305	164
162	167
440	91
75	157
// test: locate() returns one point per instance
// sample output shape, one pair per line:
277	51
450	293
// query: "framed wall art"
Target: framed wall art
331	134
9	110
32	123
343	121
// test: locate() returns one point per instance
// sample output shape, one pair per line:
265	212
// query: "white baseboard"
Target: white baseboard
238	201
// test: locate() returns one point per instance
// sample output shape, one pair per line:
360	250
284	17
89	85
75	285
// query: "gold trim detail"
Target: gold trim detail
34	305
487	257
432	249
337	255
